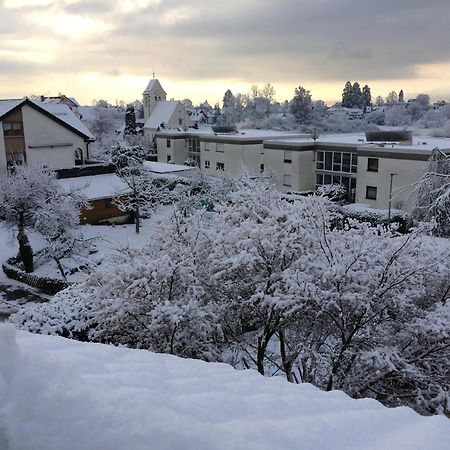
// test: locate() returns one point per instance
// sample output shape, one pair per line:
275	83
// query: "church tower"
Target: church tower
153	94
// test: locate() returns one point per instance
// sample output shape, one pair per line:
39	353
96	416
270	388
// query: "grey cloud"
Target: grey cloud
90	7
262	40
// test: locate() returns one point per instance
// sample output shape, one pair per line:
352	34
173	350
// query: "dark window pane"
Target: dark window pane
372	164
320	156
346	162
371	192
327	179
319	178
328	160
337	158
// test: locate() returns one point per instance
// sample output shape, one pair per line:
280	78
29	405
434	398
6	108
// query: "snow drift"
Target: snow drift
58	394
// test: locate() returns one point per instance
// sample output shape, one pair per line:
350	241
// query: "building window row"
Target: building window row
337	161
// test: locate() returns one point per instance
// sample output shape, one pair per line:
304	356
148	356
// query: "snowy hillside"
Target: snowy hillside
58	394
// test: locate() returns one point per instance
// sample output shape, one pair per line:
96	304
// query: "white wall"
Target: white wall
40	130
407	173
177	150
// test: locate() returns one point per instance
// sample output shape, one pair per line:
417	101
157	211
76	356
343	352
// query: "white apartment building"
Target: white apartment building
301	164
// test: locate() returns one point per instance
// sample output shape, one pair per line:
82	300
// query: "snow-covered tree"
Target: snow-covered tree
347	96
129	156
57	222
433	193
130	121
366	97
30	199
301	105
392	98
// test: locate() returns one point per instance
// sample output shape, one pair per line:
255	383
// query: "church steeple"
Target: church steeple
153	94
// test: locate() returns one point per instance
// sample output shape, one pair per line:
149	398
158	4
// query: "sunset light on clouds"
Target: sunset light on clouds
109	49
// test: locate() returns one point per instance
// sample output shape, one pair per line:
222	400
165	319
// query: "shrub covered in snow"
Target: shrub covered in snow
273	284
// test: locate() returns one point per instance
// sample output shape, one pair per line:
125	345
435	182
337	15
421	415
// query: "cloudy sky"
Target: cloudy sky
199	48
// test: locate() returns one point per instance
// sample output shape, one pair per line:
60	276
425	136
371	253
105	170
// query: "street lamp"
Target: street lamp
390	197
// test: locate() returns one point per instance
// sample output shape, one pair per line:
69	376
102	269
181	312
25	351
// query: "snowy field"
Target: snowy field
58	394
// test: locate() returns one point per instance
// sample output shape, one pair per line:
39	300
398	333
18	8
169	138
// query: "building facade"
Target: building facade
300	164
33	134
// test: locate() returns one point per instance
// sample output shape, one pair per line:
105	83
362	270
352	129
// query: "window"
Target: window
320	160
13	129
207	165
220	148
371	192
168	143
169	158
372	164
261	168
78	157
288	156
220	166
337	161
287	180
193	146
180	121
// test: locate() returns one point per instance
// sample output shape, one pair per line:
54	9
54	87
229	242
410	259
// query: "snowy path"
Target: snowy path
58	394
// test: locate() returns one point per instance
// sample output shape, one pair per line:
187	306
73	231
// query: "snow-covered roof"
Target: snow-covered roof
63	112
207	132
8	105
172	403
419	144
151	84
58	110
157	167
162	113
95	187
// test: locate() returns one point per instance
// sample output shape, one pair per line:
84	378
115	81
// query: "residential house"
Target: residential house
46	134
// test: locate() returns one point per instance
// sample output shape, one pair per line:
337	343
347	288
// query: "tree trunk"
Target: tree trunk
137	218
25	250
262	345
285	361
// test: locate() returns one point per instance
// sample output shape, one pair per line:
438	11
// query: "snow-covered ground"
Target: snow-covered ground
58	394
108	239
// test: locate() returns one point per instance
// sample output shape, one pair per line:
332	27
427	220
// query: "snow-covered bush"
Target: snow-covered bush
268	281
334	192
